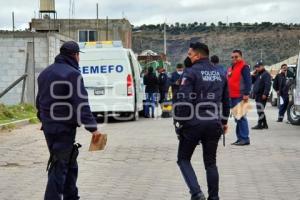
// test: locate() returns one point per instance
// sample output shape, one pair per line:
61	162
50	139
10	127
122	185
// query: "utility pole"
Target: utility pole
261	55
97	13
165	39
13	21
165	42
97	10
227	21
107	28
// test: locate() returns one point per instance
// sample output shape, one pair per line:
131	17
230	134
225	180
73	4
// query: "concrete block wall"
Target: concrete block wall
118	29
13	52
12	65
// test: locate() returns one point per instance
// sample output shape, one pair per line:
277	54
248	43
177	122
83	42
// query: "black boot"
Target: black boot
258	127
199	196
265	126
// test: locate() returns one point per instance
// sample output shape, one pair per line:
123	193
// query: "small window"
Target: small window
87	36
83	36
92	36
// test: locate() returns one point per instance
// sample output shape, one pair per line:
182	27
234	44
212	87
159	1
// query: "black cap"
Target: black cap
258	64
70	47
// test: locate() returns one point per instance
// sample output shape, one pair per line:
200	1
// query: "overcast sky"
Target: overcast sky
157	11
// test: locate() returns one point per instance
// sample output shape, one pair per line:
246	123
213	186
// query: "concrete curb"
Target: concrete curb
18	123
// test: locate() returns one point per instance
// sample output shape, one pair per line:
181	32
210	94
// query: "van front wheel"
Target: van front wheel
292	115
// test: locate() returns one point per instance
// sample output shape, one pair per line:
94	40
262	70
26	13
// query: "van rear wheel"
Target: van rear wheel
130	116
134	116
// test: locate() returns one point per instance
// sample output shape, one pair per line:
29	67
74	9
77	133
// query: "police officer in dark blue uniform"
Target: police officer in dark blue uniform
201	114
62	106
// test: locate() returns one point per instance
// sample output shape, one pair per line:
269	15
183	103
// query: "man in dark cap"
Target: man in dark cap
62	105
201	113
262	82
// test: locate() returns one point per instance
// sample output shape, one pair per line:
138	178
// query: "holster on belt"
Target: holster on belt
69	156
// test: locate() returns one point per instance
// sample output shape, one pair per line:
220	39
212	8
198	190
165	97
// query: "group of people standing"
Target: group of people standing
157	87
212	86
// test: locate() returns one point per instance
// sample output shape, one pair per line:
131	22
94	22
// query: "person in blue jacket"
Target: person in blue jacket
175	80
262	82
62	105
201	113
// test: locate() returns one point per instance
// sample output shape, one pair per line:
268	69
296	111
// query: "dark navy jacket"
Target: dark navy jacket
68	99
203	93
163	82
262	84
281	85
174	78
151	83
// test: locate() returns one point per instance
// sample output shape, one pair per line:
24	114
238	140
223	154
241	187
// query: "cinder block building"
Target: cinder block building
86	30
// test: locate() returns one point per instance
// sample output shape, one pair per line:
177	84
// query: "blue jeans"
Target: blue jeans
283	107
62	176
242	128
150	104
209	135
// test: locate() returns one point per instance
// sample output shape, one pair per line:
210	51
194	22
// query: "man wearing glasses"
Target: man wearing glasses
239	83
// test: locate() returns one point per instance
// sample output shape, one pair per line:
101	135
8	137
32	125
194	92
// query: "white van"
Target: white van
112	77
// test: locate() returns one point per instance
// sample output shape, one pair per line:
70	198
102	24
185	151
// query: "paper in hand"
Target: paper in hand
100	145
281	101
241	109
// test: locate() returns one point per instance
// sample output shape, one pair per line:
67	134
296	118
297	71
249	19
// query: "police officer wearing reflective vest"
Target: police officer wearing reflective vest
62	105
201	113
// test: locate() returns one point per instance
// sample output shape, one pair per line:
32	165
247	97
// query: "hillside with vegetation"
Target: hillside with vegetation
274	42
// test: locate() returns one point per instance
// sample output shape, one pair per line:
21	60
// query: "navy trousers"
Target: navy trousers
62	176
283	106
209	135
242	127
260	107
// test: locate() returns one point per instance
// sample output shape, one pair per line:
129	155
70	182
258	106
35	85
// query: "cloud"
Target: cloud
156	11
